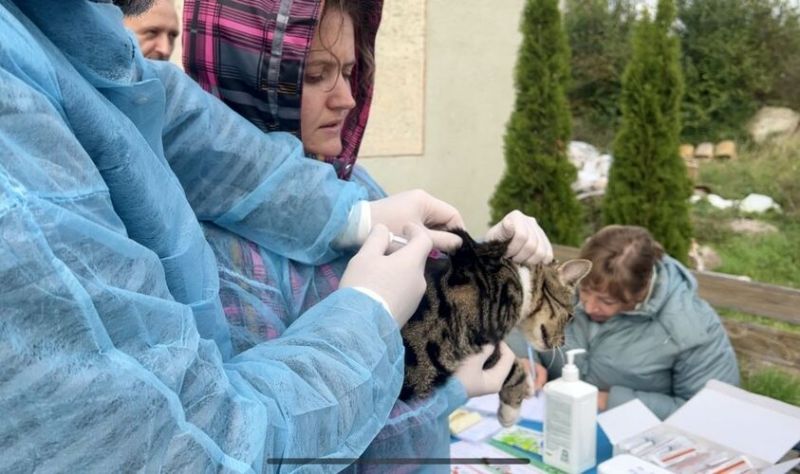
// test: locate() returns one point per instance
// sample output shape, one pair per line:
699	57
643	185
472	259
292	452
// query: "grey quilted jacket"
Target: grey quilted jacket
662	353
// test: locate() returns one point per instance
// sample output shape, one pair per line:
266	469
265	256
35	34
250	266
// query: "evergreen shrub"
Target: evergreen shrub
648	184
538	175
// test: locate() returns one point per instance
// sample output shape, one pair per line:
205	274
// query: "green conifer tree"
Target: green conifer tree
538	174
648	184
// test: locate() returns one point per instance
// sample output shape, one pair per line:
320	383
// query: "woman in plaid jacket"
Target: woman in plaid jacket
302	68
258	58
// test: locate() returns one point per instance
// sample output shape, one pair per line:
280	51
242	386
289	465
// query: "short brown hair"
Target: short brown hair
622	261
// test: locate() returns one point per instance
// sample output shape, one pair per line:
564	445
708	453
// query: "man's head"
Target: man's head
133	7
156	28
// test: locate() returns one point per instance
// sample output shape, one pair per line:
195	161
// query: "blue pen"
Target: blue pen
533	364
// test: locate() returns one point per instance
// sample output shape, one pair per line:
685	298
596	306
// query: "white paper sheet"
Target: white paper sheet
532	408
486	404
626	420
738	424
485	428
465	449
627	464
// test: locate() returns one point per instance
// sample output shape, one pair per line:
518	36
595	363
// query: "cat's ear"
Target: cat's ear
468	245
571	272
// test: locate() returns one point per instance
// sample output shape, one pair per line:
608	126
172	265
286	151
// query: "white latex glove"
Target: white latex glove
476	380
397	278
529	245
419	207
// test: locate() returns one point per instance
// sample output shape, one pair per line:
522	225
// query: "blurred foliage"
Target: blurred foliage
758	320
773	383
599	37
774	170
647	183
538	174
737	55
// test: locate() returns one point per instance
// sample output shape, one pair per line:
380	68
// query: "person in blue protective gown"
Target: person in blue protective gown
116	353
322	95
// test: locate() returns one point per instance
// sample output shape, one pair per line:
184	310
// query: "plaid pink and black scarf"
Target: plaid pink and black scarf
251	54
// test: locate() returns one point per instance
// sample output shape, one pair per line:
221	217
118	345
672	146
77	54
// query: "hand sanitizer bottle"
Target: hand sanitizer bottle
570	420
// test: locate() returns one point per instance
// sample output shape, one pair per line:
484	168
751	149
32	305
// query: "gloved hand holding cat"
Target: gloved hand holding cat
396	278
527	242
419	207
478	381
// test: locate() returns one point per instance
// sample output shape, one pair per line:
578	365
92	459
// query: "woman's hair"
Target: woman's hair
622	261
364	52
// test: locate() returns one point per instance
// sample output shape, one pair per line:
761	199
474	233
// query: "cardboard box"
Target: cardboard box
720	416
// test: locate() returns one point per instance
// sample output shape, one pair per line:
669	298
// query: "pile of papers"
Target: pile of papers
485	447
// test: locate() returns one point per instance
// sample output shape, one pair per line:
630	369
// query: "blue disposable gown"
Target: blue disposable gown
264	293
116	355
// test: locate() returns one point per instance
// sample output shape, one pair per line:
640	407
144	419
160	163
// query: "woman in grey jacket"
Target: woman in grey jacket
647	333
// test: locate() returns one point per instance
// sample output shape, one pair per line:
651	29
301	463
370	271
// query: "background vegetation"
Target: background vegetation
647	184
538	172
598	35
736	56
772	169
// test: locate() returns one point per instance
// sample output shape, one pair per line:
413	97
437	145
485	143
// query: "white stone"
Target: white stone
770	121
719	202
758	203
592	169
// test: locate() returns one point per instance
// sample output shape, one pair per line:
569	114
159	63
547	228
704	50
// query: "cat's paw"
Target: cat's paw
507	415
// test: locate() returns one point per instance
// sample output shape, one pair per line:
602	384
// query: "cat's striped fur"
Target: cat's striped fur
475	298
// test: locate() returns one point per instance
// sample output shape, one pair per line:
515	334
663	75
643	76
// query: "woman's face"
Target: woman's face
600	306
327	98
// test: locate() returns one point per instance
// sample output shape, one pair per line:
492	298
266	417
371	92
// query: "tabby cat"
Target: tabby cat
475	298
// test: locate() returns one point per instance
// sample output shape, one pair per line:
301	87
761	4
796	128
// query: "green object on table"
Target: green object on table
525	443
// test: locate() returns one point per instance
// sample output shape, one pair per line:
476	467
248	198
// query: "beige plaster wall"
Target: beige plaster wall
470	51
397	118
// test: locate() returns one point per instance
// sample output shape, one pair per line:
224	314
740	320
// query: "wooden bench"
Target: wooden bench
757	346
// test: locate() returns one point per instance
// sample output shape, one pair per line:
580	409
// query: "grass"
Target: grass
759	320
775	384
773	170
770	258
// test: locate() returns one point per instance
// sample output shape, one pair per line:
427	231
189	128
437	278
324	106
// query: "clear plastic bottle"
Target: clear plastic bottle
570	420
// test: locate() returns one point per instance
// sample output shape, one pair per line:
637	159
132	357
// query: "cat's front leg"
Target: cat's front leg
515	389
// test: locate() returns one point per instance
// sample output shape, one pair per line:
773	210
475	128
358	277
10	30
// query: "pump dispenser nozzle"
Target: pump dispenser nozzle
570	370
